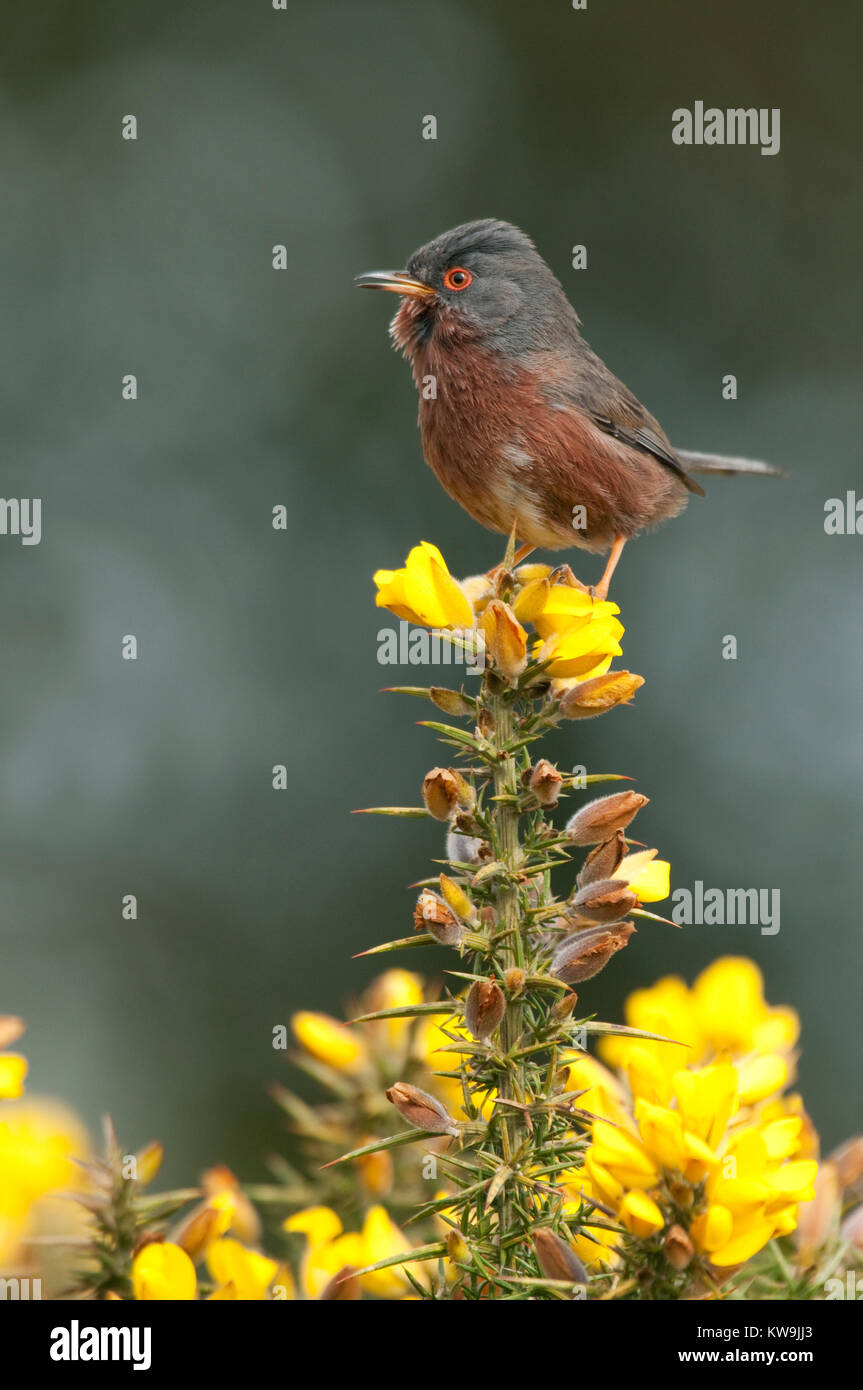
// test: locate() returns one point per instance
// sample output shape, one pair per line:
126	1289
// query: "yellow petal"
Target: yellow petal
162	1271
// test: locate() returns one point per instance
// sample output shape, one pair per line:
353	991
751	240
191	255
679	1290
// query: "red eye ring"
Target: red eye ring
457	278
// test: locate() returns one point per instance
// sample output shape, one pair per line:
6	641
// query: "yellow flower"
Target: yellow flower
162	1271
505	638
649	878
394	989
725	1011
640	1215
381	1239
424	592
38	1141
229	1262
329	1041
13	1069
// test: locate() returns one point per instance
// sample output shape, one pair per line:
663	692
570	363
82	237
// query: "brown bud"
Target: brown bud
545	783
590	698
344	1287
10	1029
421	1109
514	979
583	954
505	639
848	1159
433	916
450	701
199	1230
678	1248
599	819
484	1008
603	860
564	1006
556	1257
818	1220
607	900
440	793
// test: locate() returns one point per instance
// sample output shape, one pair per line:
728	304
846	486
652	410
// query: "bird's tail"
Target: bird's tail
718	463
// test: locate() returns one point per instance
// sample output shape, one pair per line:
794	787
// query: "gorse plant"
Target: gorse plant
675	1164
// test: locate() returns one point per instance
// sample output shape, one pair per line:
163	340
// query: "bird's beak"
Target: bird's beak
395	280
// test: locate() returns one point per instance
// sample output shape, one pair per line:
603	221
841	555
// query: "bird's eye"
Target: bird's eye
457	278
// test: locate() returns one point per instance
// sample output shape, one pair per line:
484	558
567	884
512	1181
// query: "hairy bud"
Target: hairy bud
421	1109
484	1008
440	793
585	953
545	783
678	1248
505	639
600	819
556	1257
590	698
607	900
433	915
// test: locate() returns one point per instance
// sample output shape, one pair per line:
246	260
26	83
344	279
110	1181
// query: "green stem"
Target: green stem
506	819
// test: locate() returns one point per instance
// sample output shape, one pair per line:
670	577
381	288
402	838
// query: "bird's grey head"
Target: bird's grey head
487	277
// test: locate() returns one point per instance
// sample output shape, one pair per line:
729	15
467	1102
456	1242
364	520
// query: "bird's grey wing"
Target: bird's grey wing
593	389
642	437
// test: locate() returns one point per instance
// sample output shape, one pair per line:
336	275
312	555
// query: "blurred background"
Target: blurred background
259	388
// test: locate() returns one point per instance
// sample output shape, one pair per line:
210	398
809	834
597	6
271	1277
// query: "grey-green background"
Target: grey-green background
257	647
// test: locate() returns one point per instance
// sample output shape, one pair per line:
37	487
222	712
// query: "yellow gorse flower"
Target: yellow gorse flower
424	591
329	1249
329	1041
724	1011
163	1272
745	1183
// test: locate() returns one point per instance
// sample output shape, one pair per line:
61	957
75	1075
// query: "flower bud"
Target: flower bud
556	1257
148	1161
818	1220
600	819
607	900
10	1029
514	979
678	1248
603	860
457	899
848	1160
421	1109
583	954
440	793
564	1007
219	1182
590	698
545	783
450	701
344	1287
433	916
484	1008
201	1229
505	639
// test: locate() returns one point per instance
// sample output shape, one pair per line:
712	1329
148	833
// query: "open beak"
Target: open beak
395	280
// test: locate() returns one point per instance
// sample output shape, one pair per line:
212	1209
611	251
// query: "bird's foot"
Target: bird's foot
564	575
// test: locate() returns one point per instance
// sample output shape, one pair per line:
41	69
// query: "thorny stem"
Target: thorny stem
505	817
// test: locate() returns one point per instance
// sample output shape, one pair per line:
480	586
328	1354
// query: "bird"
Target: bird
521	421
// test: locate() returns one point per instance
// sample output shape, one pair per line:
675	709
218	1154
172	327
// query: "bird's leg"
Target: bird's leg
601	589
